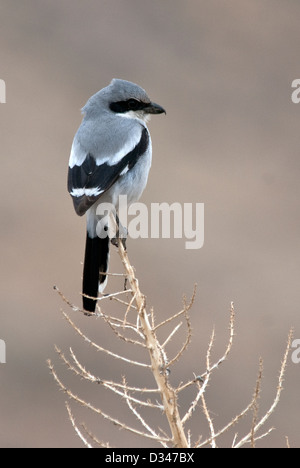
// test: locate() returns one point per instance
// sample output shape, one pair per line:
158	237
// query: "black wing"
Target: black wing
87	182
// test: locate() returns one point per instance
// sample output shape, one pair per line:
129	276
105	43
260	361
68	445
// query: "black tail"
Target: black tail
95	263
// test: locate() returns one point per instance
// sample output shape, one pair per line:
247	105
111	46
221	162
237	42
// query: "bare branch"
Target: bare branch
114	327
141	419
263	420
80	435
210	423
94	409
187	341
186	308
234	421
255	402
168	394
201	388
140	331
94	438
99	348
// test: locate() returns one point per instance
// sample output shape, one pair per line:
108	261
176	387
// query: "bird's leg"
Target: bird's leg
121	234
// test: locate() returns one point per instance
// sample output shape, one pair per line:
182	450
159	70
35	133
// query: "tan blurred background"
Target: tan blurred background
223	71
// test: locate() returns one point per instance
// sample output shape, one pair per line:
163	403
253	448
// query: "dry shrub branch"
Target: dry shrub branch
163	398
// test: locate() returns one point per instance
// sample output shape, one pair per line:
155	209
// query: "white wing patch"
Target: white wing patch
92	192
78	155
125	170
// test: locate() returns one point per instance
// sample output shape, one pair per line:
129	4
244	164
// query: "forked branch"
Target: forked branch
135	326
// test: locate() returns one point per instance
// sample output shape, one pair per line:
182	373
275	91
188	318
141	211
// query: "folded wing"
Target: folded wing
90	177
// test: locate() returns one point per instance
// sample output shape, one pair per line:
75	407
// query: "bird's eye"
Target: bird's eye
133	104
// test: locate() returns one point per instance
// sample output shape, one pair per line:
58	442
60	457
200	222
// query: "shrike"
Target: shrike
110	156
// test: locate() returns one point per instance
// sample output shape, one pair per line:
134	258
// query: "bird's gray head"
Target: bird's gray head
123	98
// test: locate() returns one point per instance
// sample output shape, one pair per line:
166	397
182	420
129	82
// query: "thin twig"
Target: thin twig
255	404
186	343
201	388
80	435
94	438
186	308
140	418
210	423
94	409
228	426
171	335
99	348
277	396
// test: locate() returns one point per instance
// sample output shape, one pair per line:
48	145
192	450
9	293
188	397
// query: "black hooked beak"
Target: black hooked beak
153	108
